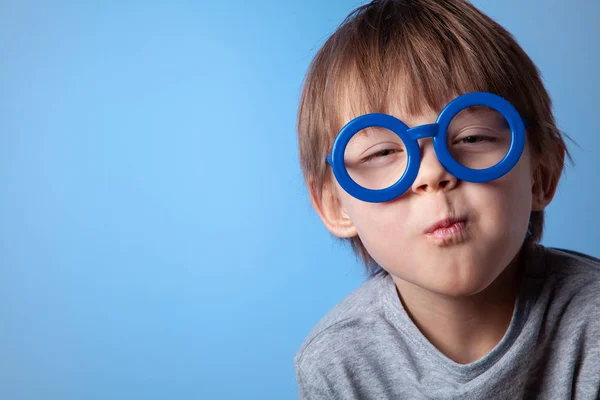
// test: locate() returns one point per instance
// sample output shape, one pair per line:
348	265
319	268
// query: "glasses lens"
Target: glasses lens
375	158
478	137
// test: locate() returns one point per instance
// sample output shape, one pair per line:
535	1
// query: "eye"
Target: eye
476	136
381	155
474	139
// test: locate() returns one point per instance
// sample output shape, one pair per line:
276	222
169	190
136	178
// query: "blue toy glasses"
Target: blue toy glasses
477	137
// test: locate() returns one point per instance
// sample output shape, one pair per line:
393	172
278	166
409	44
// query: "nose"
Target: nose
432	176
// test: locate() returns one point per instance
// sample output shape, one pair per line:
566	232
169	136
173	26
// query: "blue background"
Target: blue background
156	239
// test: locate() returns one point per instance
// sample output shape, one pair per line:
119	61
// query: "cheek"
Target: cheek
377	219
382	228
517	187
505	204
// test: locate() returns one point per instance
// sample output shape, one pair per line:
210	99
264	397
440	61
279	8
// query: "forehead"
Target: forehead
354	104
396	96
394	88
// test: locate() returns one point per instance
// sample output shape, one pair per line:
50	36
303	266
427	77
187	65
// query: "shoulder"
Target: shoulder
572	270
343	324
574	280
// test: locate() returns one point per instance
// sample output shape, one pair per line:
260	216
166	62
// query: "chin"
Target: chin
459	290
460	284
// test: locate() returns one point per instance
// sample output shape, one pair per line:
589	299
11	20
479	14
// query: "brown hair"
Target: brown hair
420	54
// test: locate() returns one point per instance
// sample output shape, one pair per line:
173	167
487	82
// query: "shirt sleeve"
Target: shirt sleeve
311	387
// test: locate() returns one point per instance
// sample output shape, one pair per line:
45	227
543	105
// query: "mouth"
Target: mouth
446	228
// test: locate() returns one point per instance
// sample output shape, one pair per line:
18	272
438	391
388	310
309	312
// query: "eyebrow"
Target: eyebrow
366	131
473	109
478	110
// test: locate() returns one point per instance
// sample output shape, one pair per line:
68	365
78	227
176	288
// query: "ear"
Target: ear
330	209
545	181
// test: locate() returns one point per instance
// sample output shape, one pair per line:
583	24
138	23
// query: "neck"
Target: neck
472	325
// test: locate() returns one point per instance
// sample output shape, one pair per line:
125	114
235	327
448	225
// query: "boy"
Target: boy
448	155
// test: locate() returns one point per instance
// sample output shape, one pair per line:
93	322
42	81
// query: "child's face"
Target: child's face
463	259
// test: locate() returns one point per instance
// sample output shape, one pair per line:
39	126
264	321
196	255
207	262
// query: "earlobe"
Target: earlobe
538	202
331	212
545	183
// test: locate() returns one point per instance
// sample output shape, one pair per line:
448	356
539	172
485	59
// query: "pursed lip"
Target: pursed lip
444	223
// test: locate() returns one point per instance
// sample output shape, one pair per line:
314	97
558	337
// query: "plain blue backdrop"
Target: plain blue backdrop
156	239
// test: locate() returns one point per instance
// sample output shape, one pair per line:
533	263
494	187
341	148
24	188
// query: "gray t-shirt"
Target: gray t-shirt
367	347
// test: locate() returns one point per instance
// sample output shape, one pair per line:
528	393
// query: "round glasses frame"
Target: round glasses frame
438	131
